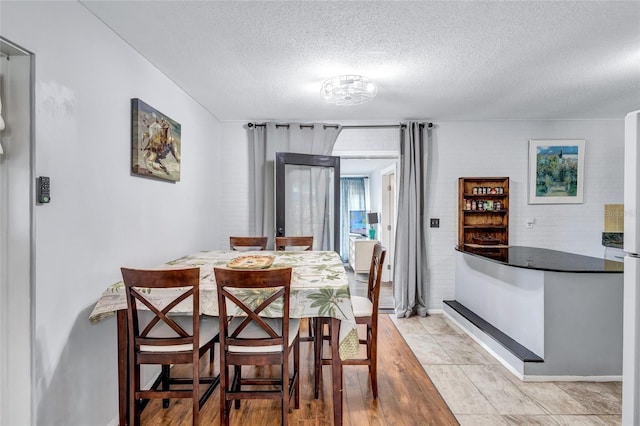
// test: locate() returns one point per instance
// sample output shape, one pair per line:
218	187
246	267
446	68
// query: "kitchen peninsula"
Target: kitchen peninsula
545	314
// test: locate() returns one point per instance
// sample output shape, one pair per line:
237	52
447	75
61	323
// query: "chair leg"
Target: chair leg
224	386
284	371
369	340
195	393
317	356
296	372
134	403
165	384
237	380
310	328
285	411
373	361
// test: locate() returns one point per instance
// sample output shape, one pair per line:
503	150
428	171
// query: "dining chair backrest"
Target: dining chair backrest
159	335
375	275
248	243
139	286
255	330
237	298
303	243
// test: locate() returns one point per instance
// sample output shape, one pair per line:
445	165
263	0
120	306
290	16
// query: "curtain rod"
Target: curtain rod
384	126
370	126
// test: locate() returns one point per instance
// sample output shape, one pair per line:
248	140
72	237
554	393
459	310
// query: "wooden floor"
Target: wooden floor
406	394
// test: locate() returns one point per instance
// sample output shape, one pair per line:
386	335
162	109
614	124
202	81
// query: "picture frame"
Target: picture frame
556	171
155	143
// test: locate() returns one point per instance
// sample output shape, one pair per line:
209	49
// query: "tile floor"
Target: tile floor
480	391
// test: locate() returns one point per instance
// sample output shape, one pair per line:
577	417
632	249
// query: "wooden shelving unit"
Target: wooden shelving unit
483	215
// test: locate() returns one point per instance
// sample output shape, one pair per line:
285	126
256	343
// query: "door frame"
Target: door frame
292	158
389	200
17	251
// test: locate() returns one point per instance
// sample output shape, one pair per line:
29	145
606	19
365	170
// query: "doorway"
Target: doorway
16	228
380	172
373	152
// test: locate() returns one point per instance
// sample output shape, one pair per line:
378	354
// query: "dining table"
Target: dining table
319	288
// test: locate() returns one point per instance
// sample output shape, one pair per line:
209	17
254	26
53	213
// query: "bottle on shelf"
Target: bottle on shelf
483	215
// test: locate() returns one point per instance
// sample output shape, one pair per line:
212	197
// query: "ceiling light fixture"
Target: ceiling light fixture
348	90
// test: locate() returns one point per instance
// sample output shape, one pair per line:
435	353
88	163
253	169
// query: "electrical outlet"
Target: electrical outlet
435	223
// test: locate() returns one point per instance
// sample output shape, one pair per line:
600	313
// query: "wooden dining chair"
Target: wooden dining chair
306	242
365	310
295	243
160	336
255	330
248	243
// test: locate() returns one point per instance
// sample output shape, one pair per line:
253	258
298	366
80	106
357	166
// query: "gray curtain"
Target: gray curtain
317	139
410	264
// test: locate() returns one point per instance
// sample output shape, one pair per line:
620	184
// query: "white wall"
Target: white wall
495	148
236	173
100	217
372	141
500	148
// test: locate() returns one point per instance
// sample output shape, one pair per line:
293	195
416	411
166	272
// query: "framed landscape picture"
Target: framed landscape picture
155	143
556	171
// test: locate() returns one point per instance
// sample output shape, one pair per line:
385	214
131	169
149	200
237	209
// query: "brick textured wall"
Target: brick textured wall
493	148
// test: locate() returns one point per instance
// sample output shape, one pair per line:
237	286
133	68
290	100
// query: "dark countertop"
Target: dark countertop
552	260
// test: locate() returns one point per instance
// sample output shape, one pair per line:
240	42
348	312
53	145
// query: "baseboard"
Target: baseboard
501	356
391	311
534	378
485	346
519	351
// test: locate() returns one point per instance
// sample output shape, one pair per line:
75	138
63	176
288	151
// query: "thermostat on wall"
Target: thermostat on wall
43	190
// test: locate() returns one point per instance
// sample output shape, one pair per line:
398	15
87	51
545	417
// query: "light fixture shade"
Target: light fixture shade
348	90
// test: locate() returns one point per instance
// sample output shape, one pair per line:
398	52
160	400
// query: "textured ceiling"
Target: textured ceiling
450	60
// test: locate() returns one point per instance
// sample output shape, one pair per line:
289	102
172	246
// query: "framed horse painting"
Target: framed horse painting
155	143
